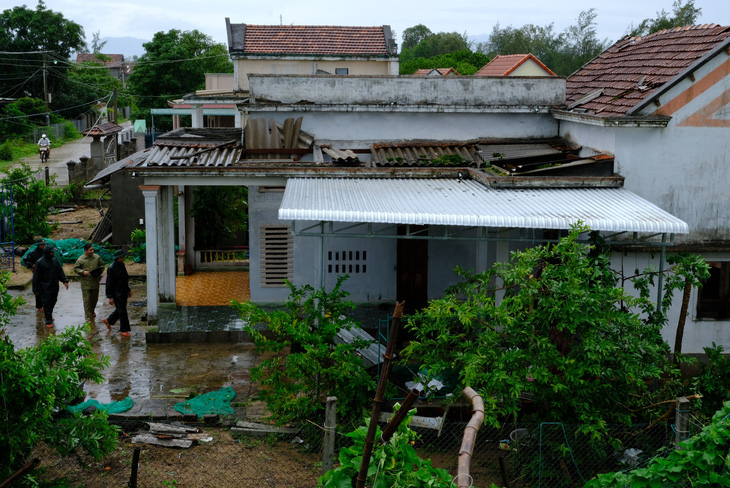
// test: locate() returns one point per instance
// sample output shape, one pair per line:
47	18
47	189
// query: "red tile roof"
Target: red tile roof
441	71
107	60
504	65
635	67
314	40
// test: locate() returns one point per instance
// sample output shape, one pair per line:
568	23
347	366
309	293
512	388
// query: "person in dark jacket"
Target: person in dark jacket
47	274
117	291
30	261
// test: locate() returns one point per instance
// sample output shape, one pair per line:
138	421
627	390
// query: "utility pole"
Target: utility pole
45	92
115	106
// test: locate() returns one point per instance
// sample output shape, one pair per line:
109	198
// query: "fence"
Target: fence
547	455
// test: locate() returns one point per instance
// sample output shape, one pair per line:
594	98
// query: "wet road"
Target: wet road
145	372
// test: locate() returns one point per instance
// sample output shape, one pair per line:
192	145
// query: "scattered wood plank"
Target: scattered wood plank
261	430
157	441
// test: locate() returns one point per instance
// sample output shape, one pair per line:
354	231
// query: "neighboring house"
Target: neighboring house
118	68
661	105
515	65
436	72
310	49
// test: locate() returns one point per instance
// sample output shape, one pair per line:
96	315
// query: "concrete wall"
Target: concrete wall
409	90
530	68
219	81
127	206
361	129
297	66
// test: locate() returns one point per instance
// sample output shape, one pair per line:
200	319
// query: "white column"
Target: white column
166	248
197	117
181	235
150	194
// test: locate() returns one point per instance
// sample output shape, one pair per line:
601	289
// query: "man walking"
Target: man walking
30	261
117	291
47	274
89	267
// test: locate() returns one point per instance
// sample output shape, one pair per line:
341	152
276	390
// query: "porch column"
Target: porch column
181	235
150	194
197	117
166	249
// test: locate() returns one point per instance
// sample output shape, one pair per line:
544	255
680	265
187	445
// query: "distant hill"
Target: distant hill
128	46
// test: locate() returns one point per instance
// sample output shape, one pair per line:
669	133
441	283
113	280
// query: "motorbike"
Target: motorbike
44	151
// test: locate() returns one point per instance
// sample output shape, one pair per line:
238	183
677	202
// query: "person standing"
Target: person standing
30	261
117	291
47	274
89	268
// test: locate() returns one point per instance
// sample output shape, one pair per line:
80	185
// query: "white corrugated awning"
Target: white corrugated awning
470	203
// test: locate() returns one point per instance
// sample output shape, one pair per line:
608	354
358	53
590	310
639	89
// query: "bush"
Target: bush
6	152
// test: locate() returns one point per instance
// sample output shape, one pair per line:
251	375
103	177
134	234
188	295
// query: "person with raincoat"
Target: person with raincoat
48	273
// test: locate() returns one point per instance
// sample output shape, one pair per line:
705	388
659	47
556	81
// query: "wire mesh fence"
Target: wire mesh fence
237	454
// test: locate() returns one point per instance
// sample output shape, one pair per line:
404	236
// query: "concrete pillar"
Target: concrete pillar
176	121
238	118
151	197
71	165
97	155
197	117
166	248
181	235
189	227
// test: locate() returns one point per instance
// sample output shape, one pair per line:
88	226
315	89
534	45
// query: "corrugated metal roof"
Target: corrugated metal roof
469	203
193	155
423	154
189	111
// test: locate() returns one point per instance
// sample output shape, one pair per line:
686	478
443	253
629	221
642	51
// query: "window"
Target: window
276	255
342	71
347	262
713	301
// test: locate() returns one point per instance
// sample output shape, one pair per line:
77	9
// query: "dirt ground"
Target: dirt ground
76	224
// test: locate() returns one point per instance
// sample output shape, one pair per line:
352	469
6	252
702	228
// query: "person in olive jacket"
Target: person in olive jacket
48	272
30	261
89	268
117	291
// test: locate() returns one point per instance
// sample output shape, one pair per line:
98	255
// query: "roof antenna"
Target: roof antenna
281	20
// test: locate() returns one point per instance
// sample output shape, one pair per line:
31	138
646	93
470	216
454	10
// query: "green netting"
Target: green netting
214	402
113	407
71	249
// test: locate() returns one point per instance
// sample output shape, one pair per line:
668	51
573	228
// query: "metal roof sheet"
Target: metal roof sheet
469	203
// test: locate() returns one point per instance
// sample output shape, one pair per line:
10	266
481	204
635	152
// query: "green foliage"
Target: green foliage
392	465
412	36
714	381
450	160
464	61
295	385
564	53
219	212
32	199
174	64
26	30
37	384
701	461
84	86
565	334
138	249
435	45
682	14
6	151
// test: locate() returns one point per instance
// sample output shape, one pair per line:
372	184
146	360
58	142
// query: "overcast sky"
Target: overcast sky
142	18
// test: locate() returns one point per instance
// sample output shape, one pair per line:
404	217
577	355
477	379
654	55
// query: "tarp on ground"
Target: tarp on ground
214	402
113	407
71	250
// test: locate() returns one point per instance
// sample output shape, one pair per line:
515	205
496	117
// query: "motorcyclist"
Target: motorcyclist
44	142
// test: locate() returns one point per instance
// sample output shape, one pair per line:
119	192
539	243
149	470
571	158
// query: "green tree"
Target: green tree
295	385
435	45
464	62
85	85
414	35
682	14
36	385
564	53
96	44
565	333
47	38
220	212
174	64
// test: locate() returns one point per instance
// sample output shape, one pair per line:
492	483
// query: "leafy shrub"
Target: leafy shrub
6	152
32	199
138	251
393	465
295	385
714	381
